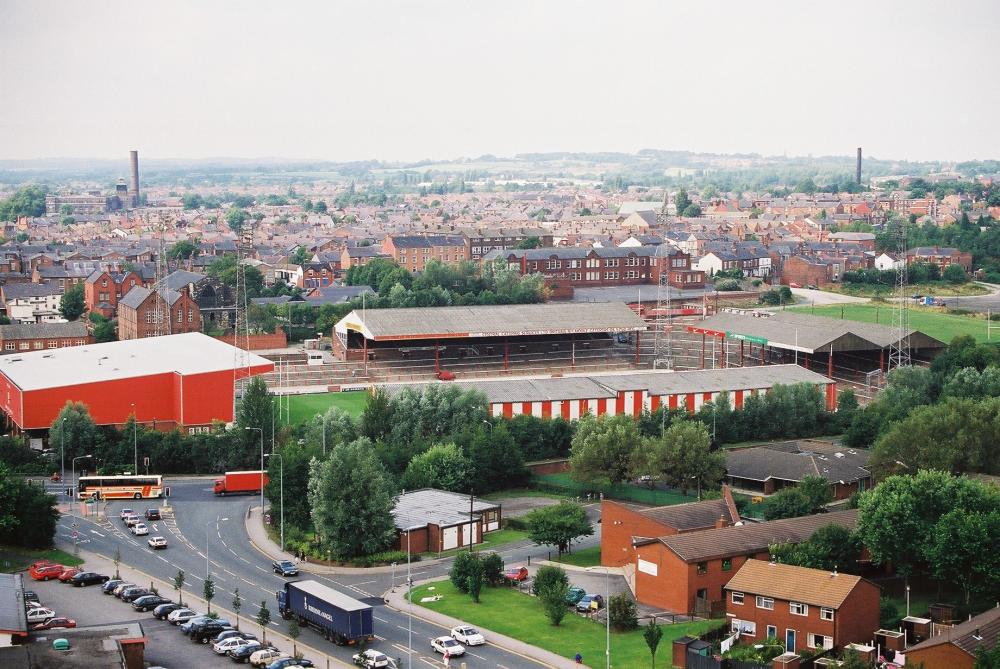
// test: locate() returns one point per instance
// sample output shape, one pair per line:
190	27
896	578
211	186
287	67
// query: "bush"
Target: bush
624	616
727	285
464	566
549	577
493	569
384	558
888	614
553	598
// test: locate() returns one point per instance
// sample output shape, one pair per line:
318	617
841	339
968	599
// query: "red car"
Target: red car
444	375
68	574
54	623
516	574
45	572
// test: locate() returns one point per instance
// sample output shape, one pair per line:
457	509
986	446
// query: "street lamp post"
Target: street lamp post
62	457
607	612
409	613
261	430
281	486
76	533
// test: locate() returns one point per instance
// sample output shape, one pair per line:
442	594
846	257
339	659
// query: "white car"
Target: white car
233	643
445	644
157	542
139	529
40	614
125	513
131	520
266	656
181	616
467	635
371	659
122	586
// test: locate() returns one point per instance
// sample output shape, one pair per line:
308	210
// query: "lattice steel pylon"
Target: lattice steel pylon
899	349
663	351
161	309
241	327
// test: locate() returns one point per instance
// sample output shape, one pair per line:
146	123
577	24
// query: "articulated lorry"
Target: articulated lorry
339	618
233	483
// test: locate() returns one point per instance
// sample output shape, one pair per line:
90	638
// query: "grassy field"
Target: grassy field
934	323
16	559
563	483
587	557
935	288
507	611
491	541
303	407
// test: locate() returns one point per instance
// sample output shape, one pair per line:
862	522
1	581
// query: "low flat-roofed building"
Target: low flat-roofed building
117	646
13	621
430	520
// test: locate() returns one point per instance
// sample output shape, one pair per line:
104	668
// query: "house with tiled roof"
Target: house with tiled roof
764	470
956	647
803	608
413	252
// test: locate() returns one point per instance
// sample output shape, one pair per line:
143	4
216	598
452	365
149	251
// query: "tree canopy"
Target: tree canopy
558	525
72	304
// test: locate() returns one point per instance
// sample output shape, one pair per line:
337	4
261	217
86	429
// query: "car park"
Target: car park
46	572
124	585
516	574
467	635
445	644
285	568
163	610
265	656
131	594
125	513
590	603
157	542
89	578
205	631
55	623
371	659
32	598
230	634
574	595
110	586
152	514
243	654
181	615
232	643
148	602
283	662
67	574
39	614
139	529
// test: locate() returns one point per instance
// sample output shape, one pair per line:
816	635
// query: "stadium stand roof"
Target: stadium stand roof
812	334
515	320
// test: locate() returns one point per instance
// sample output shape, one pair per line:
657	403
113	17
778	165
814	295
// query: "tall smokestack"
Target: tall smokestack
858	174
133	157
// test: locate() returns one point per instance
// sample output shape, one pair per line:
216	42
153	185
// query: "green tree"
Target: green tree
988	658
954	274
183	250
105	330
208	592
963	549
235	218
352	500
72	304
558	525
623	612
263	618
787	503
493	568
495	461
461	569
476	578
548	576
530	242
27	201
681	201
807	186
682	457
376	419
692	211
442	466
652	633
74	429
28	514
830	547
301	256
320	207
179	586
602	448
553	599
237	605
852	660
294	632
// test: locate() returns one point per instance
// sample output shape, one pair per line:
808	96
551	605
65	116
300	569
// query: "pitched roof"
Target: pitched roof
12	613
427	241
793	461
753	537
181	278
978	631
42	330
15	291
694	515
793	584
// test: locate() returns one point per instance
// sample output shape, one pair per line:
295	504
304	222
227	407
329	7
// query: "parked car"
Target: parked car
157	543
285	568
125	513
516	574
55	623
371	659
163	610
110	586
229	634
39	614
283	662
148	602
153	514
232	643
204	632
200	621
468	636
31	597
133	594
243	654
89	578
445	644
590	603
67	574
46	572
124	585
181	615
265	656
574	595
139	529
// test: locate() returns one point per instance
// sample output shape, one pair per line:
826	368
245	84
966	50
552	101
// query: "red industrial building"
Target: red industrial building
183	380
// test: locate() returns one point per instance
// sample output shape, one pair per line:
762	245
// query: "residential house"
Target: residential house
884	262
481	241
804	608
315	275
24	337
142	310
956	647
764	470
413	252
578	267
103	289
941	256
32	302
359	256
864	239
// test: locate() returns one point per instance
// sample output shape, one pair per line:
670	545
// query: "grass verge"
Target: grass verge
518	615
13	558
491	541
303	407
587	557
934	323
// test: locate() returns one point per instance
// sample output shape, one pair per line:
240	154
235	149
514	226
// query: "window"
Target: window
24	346
772	632
575	276
611	275
52	344
574	264
825	613
80	342
765	603
819	641
631	261
593	262
611	262
39	345
727	564
180	315
8	346
553	264
632	274
149	316
737	598
798	608
190	316
743	627
702	568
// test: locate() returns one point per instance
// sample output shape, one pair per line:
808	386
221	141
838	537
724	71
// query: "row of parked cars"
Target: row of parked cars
241	647
579	598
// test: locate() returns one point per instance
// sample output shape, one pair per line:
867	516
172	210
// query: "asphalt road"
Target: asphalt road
199	520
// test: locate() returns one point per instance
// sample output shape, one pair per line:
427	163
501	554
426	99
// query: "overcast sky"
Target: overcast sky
409	80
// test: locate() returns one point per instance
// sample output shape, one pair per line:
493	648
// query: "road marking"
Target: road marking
275	624
155	528
381	620
365	582
474	655
97	533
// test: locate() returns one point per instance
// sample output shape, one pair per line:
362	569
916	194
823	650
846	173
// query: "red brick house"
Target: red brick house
430	520
687	572
806	271
137	313
23	337
103	289
413	252
359	256
956	647
802	607
621	523
941	256
316	275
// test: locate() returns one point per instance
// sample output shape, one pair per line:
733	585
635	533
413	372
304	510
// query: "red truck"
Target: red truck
240	482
